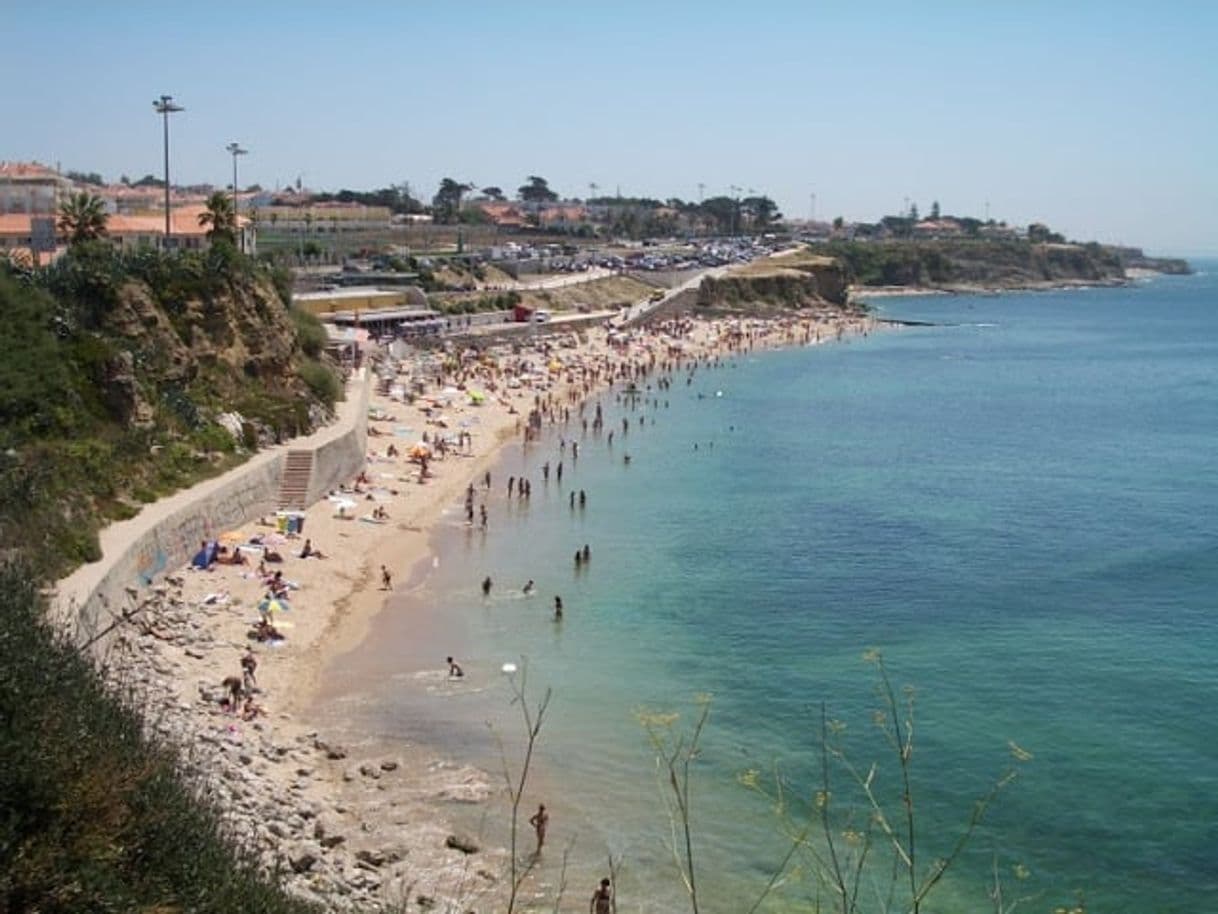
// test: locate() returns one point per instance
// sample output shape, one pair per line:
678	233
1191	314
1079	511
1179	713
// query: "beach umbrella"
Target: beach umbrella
270	605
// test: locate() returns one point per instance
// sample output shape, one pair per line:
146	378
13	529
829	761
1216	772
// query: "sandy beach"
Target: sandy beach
351	824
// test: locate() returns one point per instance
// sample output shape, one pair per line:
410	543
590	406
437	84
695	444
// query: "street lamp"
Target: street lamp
164	106
236	150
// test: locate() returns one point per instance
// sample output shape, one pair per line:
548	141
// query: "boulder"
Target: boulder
461	843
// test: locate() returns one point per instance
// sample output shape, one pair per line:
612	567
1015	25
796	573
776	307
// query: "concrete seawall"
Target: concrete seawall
165	534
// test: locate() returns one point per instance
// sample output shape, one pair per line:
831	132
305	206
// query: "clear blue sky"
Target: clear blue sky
1100	118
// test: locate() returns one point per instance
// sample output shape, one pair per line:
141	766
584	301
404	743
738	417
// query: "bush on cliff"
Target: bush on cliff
93	816
116	368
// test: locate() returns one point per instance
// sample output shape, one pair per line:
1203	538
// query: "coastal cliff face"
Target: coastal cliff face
795	282
1134	259
129	377
975	263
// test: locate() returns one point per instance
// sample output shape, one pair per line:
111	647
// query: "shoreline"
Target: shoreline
356	825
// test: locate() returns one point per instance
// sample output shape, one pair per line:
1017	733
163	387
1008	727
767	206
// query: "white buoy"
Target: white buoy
509	668
718	393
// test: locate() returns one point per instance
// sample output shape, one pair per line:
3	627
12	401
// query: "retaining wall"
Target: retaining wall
165	535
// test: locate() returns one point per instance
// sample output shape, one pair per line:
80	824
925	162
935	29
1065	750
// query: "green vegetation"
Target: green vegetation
82	217
499	301
93	816
220	217
995	262
446	204
116	369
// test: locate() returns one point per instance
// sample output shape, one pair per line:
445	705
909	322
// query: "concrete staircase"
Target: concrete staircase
294	486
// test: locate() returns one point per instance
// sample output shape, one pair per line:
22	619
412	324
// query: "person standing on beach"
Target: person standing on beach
539	821
602	899
249	666
386	579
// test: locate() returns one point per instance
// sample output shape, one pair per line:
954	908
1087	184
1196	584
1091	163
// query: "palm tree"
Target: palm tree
82	217
221	217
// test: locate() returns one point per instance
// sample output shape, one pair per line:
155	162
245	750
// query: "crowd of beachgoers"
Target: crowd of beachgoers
228	654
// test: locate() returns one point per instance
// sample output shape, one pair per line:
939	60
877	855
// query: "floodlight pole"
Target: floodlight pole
236	150
165	106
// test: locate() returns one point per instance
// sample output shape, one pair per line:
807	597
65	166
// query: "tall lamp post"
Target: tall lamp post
165	106
236	150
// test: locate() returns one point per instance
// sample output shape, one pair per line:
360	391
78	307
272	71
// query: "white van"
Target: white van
541	316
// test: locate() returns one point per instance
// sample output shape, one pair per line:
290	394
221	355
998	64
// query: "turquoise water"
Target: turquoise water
1017	506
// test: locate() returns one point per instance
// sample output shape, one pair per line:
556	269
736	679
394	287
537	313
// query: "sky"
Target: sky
1099	119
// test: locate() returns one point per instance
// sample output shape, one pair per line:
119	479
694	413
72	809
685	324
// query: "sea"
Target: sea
1007	505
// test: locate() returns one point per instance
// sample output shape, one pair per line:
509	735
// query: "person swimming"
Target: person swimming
529	588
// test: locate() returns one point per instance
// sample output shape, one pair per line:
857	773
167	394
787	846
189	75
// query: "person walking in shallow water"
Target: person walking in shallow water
486	586
602	899
539	821
558	608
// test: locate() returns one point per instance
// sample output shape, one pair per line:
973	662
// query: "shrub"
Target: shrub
93	817
309	332
322	381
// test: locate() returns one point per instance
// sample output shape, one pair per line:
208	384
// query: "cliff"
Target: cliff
796	281
129	376
1134	259
976	263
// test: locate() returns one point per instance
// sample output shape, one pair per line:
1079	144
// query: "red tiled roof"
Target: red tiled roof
26	170
184	220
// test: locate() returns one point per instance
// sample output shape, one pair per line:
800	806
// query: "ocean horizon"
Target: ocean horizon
1014	504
